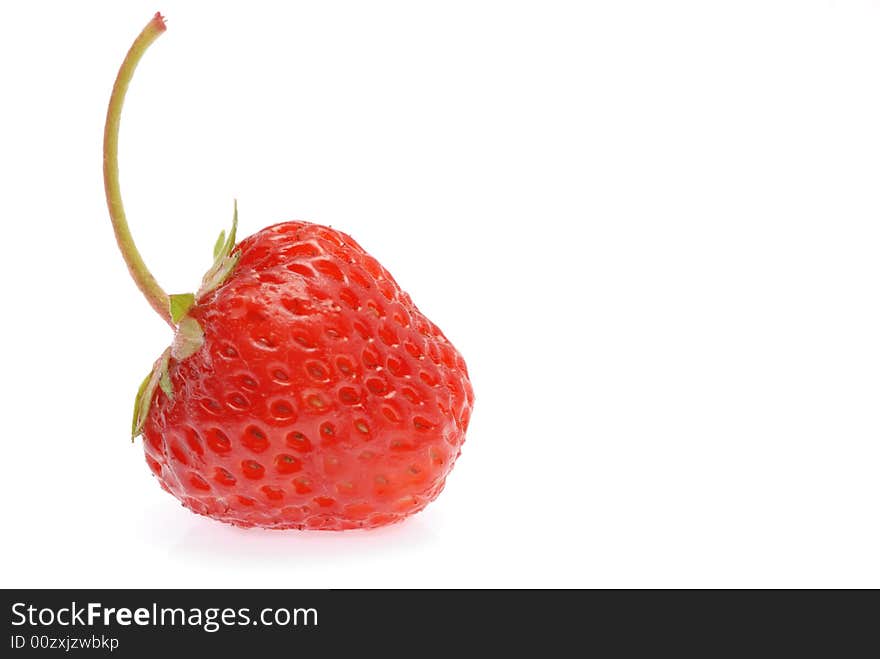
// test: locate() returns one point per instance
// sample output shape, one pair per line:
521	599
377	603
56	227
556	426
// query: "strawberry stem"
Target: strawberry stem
145	281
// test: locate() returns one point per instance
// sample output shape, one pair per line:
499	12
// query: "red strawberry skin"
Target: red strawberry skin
321	398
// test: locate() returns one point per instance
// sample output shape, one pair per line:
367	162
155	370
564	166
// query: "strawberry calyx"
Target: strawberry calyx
189	335
179	304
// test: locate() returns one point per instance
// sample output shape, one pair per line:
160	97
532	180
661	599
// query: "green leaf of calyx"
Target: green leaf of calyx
165	384
188	339
218	246
144	397
179	304
136	423
224	260
230	241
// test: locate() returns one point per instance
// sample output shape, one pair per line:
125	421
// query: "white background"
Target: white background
651	229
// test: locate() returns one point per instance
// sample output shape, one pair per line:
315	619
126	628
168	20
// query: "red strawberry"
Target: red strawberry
303	388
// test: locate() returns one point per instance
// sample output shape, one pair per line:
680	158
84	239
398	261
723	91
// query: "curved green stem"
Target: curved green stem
145	281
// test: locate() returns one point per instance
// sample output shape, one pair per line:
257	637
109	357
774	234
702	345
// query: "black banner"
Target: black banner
390	623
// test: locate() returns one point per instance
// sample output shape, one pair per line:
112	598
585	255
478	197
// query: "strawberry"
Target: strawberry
303	388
